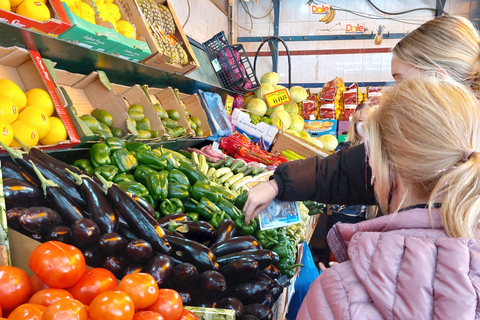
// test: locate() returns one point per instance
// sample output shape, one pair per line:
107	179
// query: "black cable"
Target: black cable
399	13
379	17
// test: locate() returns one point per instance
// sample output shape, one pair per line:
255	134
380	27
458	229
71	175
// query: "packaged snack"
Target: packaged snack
327	101
309	109
350	100
374	95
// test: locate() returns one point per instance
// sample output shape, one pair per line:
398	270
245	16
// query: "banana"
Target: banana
332	16
326	16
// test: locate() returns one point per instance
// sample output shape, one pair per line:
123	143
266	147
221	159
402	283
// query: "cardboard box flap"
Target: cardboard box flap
65	78
194	107
13	56
286	141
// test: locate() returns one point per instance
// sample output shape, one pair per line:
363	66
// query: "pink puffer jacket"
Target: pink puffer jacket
400	266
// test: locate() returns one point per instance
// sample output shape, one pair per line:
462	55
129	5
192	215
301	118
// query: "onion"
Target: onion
238	101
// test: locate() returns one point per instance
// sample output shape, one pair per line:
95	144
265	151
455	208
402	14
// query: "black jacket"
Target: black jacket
340	178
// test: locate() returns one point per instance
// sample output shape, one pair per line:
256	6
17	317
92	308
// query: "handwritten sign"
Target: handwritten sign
277	98
278	123
229	104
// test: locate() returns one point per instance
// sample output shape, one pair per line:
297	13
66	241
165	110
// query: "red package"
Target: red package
327	100
309	109
350	98
374	95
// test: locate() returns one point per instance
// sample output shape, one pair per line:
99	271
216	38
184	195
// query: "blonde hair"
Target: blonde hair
448	42
427	132
352	134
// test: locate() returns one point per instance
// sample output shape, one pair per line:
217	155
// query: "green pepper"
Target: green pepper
85	165
224	192
266	238
141	173
206	208
123	160
282	249
158	215
241	199
151	159
172	162
114	143
100	154
135	188
177	176
202	189
217	218
229	209
136	146
107	171
157	185
243	229
171	206
150	200
124	177
192	215
177	190
287	267
190	204
192	173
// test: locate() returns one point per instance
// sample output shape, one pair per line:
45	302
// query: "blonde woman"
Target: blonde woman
422	259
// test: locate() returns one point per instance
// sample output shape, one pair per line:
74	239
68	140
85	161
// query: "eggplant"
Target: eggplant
133	268
12	171
160	267
145	205
199	231
276	291
173	234
247	317
233	304
264	257
204	302
116	265
225	231
248	292
18	193
267	301
187	298
236	244
38	237
112	244
269	282
240	270
93	257
272	272
184	275
164	221
60	233
85	233
212	283
193	252
125	232
259	310
13	218
39	219
139	251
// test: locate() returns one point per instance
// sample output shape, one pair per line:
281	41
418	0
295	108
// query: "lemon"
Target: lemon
56	133
70	3
40	98
25	132
114	11
10	90
8	110
36	117
14	3
34	9
5	5
125	28
6	133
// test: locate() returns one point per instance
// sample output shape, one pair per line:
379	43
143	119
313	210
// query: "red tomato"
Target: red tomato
187	315
28	311
66	309
92	283
59	265
141	287
0	311
37	284
169	304
112	305
48	296
148	315
15	287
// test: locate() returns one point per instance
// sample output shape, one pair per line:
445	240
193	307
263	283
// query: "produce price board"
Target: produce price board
277	98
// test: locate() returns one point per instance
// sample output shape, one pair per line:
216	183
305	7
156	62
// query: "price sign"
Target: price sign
229	104
277	98
278	123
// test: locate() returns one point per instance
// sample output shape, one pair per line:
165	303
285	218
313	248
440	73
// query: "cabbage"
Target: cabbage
247	100
238	101
296	123
257	107
271	110
284	116
279	87
226	55
263	90
319	143
295	133
270	77
304	135
329	142
291	107
298	94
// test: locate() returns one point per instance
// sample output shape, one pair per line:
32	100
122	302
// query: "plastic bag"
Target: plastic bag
218	119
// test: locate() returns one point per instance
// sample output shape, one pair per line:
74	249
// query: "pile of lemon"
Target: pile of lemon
33	9
28	117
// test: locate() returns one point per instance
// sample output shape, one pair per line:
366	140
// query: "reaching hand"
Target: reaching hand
259	198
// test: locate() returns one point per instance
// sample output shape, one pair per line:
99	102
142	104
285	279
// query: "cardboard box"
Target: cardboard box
158	59
57	24
88	92
317	128
194	107
286	141
4	243
241	120
212	313
28	71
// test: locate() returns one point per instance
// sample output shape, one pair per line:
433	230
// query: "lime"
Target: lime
40	98
103	116
192	124
144	134
37	117
144	124
160	111
8	110
117	132
91	122
103	126
199	132
104	134
56	133
173	114
197	121
136	115
6	133
24	132
169	131
10	90
135	107
153	133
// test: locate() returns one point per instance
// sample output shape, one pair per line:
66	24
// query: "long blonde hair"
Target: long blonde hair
427	131
447	42
352	134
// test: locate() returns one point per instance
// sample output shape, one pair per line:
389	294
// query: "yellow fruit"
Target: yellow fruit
5	5
14	3
125	28
114	11
36	117
8	110
70	3
24	132
34	9
40	98
84	11
56	133
6	133
10	90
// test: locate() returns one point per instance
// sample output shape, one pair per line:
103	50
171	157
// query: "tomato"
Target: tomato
37	284
49	296
15	287
148	315
168	304
112	305
92	283
187	315
1	311
28	311
66	309
141	287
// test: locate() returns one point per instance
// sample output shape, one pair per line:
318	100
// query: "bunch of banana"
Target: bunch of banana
327	18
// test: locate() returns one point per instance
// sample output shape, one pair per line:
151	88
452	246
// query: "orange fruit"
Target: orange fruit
40	98
56	133
36	117
8	110
25	132
6	133
5	5
34	9
12	91
14	3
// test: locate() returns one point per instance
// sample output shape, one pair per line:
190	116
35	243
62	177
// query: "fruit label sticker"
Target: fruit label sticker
229	104
354	29
323	9
278	123
5	131
277	98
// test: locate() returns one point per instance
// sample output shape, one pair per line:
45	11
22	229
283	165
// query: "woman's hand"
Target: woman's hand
259	198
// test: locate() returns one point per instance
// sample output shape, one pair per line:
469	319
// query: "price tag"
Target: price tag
278	123
229	104
277	98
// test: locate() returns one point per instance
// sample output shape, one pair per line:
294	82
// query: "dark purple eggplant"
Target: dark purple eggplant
233	304
267	301
259	310
125	232
225	231
204	302
13	218
173	234
212	283
263	256
38	237
240	270
112	244
276	291
134	268
248	292
266	280
145	205
139	251
140	222
184	275
85	233
60	233
19	193
193	252
247	317
98	206
12	171
116	265
179	217
39	219
272	272
93	257
160	267
186	296
236	244
199	231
